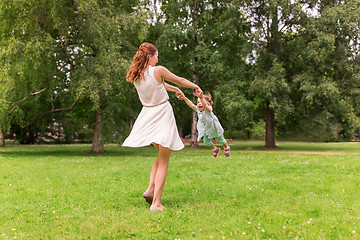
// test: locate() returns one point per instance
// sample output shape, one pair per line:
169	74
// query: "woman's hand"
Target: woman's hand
180	95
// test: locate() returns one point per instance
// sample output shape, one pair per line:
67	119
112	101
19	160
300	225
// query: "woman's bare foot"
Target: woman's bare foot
157	208
148	196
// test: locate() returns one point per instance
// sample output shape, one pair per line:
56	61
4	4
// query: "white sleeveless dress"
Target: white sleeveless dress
156	121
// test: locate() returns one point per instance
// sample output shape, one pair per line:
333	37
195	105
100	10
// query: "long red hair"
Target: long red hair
140	61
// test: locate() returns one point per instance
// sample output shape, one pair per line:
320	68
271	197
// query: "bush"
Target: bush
237	134
258	131
86	135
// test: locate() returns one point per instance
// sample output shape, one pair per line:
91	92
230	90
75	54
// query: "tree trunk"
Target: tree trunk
270	127
180	131
195	72
273	48
2	139
194	143
97	146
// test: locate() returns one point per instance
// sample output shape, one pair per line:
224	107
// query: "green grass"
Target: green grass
300	190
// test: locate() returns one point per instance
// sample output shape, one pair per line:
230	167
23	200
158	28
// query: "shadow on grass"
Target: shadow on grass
74	151
341	147
116	150
234	147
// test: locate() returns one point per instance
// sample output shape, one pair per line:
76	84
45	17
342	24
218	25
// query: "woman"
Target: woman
156	122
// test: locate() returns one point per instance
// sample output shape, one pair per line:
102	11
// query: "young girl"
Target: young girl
156	123
208	125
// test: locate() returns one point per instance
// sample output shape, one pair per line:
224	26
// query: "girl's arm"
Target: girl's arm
188	102
203	102
163	73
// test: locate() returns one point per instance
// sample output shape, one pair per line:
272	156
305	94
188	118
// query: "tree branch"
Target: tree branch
64	49
30	94
53	110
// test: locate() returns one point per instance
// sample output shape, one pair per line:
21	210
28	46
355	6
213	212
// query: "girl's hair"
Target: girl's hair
140	62
208	98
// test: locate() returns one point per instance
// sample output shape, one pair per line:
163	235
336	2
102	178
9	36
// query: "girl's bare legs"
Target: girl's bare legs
226	150
215	150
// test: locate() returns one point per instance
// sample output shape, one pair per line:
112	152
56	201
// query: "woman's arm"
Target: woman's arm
163	73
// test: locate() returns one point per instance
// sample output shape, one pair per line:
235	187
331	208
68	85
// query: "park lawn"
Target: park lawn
298	191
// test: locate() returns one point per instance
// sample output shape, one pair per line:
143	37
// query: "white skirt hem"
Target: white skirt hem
155	125
145	145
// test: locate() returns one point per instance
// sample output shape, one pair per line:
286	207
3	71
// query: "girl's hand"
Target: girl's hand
199	93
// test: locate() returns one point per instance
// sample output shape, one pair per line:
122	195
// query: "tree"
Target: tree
4	107
190	35
272	22
74	49
28	63
110	32
304	59
327	77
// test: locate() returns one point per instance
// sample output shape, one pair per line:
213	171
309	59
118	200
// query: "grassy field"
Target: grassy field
298	191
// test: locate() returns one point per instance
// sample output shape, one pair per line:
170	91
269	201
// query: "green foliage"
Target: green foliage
258	130
273	87
74	50
321	127
5	86
111	33
246	53
197	40
326	82
31	53
28	63
239	110
305	65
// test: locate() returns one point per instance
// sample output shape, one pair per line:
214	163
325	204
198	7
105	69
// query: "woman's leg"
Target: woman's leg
160	175
153	172
149	193
156	146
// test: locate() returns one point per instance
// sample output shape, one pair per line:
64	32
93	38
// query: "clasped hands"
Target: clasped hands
180	95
